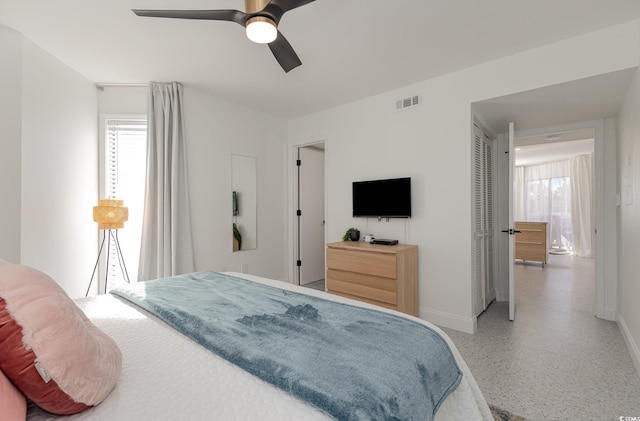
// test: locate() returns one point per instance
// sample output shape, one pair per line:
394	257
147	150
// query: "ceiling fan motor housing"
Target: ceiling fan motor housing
254	6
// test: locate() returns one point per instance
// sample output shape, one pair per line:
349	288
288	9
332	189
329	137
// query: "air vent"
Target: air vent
408	102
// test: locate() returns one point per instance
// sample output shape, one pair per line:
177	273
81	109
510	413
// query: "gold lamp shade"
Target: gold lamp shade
110	214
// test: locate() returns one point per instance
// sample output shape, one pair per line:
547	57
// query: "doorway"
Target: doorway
310	217
554	184
585	103
594	131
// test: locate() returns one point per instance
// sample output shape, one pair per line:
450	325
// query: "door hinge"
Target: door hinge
298	212
299	263
298	162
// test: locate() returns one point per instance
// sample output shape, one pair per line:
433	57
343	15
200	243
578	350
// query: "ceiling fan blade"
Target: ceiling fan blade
229	14
277	8
283	52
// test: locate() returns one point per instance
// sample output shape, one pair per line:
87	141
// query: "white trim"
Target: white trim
102	85
292	184
634	350
449	320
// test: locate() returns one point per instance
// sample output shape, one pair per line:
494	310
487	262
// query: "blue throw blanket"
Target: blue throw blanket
351	362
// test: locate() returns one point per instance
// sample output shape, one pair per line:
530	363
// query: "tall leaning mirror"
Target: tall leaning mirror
244	202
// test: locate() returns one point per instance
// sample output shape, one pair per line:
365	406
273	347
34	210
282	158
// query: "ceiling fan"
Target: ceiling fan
260	20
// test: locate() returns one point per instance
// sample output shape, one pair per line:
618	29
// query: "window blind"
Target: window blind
124	179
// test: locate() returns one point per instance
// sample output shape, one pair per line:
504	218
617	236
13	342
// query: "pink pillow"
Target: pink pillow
49	348
13	404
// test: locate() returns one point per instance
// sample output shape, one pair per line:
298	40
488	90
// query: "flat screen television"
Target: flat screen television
389	198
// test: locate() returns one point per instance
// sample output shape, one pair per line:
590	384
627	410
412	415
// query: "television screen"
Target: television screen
382	198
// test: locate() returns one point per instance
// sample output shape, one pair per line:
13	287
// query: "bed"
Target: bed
167	376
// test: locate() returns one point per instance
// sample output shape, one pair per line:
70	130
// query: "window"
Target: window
123	177
547	197
550	200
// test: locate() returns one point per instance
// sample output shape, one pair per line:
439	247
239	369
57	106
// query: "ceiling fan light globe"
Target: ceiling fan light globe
261	30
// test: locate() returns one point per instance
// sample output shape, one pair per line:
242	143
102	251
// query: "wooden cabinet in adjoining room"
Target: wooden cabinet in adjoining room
532	242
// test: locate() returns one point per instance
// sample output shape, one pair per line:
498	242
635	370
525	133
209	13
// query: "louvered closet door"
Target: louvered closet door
484	289
479	261
489	233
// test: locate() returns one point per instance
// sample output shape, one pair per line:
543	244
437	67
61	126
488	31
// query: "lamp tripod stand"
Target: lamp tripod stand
113	234
110	214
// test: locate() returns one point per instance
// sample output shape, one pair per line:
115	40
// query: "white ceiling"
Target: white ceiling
554	151
580	100
349	49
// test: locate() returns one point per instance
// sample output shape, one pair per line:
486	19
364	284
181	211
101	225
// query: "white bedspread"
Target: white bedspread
166	376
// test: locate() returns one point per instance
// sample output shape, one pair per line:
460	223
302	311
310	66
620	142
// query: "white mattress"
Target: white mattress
166	376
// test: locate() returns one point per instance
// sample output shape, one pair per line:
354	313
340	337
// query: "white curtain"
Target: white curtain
167	246
559	193
581	204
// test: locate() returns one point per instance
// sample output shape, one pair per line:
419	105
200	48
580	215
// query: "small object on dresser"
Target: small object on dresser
352	234
385	241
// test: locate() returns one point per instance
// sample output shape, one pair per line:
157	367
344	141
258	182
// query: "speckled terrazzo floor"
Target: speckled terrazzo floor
556	361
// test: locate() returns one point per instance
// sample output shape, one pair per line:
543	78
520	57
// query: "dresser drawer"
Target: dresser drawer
532	226
531	231
531	251
536	236
367	300
376	264
353	284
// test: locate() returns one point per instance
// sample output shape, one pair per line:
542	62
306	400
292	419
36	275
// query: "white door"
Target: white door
489	220
311	219
484	217
511	229
478	221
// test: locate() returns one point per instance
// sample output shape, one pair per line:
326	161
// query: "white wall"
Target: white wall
215	129
629	219
59	170
123	100
10	125
432	144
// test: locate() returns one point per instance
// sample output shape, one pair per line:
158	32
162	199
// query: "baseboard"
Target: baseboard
448	320
631	343
610	315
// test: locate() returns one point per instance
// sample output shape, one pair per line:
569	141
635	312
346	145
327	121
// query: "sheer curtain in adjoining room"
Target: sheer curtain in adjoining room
582	204
560	194
167	246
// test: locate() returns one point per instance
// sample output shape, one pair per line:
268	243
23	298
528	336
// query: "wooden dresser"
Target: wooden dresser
378	274
532	242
